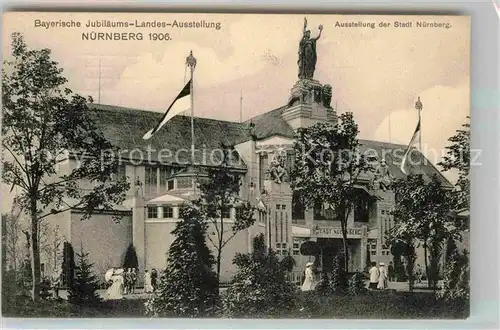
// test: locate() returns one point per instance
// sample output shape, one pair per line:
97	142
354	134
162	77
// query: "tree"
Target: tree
45	124
219	193
189	287
68	265
50	244
130	260
456	277
259	288
423	211
83	291
327	166
458	158
12	246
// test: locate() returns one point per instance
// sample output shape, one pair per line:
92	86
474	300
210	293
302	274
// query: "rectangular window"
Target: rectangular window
152	212
226	213
170	185
373	252
324	212
165	173
168	212
298	209
362	211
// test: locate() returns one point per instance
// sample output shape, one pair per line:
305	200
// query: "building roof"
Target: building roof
124	127
271	124
393	154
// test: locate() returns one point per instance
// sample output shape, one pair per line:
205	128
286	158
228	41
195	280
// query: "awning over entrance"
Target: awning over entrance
300	231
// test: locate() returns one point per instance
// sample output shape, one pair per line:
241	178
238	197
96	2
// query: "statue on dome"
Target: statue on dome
307	53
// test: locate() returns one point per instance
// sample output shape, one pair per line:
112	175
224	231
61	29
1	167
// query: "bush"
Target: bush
456	277
189	286
130	260
288	262
259	288
339	278
85	285
356	285
68	265
325	287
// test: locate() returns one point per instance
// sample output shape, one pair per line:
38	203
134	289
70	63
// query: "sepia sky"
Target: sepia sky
375	73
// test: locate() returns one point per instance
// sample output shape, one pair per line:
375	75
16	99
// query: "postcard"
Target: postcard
235	165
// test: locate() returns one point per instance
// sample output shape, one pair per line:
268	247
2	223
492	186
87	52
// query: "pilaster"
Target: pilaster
139	230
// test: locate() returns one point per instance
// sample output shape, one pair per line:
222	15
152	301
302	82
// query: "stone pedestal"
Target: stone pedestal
309	103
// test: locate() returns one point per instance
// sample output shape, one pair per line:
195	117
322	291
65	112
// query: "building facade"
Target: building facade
163	178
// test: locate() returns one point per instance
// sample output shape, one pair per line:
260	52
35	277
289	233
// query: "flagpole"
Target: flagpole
419	106
191	62
241	106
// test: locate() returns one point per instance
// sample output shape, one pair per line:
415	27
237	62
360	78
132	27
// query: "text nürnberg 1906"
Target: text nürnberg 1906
103	26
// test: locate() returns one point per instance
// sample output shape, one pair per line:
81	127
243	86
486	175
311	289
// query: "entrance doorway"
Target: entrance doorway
329	247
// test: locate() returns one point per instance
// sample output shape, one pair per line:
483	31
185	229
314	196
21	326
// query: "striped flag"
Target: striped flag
413	140
180	104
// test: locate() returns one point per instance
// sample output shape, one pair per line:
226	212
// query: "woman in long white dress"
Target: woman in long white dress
308	284
115	291
382	278
148	287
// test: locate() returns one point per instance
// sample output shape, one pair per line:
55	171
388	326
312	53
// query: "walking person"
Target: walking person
374	275
115	291
128	281
148	288
308	284
390	272
133	280
154	277
382	279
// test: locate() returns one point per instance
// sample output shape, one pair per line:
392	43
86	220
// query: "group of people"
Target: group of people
379	276
122	282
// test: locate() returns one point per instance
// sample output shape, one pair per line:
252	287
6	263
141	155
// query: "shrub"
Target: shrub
456	277
288	262
68	265
356	284
324	286
188	287
85	285
130	260
259	287
339	278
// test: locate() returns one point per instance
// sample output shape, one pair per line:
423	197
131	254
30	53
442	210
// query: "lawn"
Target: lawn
373	305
